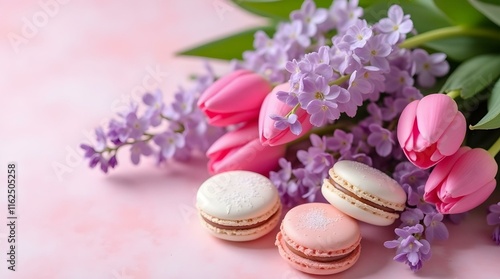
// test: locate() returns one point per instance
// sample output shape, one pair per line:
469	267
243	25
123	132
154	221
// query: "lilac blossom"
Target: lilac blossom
287	122
495	235
310	17
187	130
428	67
434	227
137	126
344	13
139	148
396	25
381	139
407	173
411	217
341	141
397	80
375	53
493	219
356	36
410	247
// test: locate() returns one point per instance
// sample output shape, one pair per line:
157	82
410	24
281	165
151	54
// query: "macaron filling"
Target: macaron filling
243	227
361	199
316	258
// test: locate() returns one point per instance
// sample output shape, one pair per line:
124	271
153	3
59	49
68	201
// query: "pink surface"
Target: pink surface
71	74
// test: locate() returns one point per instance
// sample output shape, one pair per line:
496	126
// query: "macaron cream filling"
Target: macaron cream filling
240	227
326	259
361	199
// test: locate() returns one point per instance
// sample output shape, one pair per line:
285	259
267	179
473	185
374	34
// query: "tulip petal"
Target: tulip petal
406	123
435	113
218	85
270	135
234	139
472	200
441	171
252	157
244	93
473	170
226	119
453	137
287	136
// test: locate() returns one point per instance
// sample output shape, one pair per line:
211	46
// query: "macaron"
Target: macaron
364	193
238	205
317	238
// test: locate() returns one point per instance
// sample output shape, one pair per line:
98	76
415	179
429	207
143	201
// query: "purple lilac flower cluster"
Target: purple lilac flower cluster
421	224
307	30
166	132
363	61
493	219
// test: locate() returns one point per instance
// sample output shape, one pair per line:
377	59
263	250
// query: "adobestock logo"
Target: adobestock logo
31	26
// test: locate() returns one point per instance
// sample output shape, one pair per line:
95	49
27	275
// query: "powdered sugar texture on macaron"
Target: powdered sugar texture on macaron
319	227
317	219
233	194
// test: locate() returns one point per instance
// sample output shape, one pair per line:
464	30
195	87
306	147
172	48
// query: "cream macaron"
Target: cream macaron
364	193
238	205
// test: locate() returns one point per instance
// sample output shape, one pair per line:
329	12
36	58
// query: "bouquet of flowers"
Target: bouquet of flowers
391	86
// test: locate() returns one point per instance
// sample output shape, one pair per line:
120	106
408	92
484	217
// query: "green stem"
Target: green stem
115	149
448	32
294	109
454	93
495	148
340	80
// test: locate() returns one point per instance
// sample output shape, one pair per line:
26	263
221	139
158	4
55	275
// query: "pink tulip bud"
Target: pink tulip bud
242	150
431	129
462	181
234	98
269	134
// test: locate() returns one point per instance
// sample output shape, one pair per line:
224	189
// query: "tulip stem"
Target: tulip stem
454	93
495	148
449	32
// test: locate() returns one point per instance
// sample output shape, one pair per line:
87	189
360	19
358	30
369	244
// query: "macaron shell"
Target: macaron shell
319	229
246	234
313	267
355	208
370	182
237	195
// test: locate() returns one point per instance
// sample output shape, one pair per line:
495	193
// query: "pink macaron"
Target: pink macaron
317	238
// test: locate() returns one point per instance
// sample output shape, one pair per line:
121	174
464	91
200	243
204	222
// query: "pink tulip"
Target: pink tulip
431	129
242	150
462	181
270	135
234	98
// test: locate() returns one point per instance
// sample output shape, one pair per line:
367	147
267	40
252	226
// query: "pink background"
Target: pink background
139	222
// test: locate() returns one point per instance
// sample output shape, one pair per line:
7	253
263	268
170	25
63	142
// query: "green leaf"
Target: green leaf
227	48
490	10
276	9
463	48
281	9
461	12
492	119
424	14
473	75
